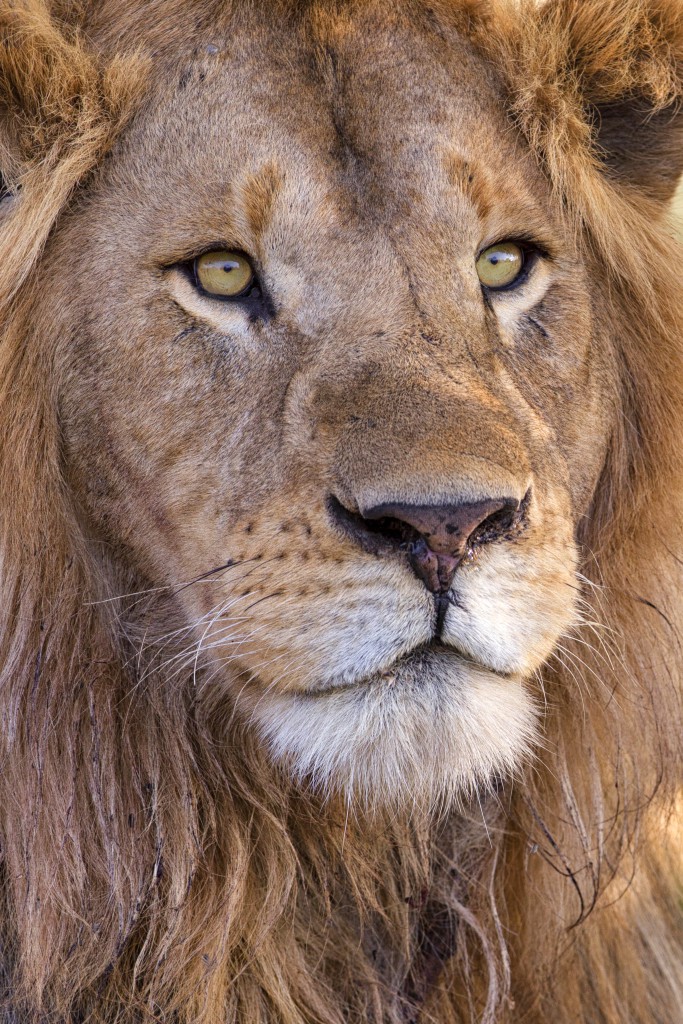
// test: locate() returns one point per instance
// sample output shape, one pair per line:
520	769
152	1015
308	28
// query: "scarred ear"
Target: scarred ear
599	76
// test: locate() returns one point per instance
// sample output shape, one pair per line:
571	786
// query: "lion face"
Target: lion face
355	488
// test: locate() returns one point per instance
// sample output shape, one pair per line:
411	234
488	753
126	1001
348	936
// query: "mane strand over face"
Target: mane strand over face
155	864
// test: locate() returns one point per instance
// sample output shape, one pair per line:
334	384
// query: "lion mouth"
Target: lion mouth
425	656
423	663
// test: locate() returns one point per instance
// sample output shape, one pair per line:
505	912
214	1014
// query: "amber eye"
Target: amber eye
226	274
500	265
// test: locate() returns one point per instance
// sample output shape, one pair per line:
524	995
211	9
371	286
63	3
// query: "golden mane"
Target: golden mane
152	871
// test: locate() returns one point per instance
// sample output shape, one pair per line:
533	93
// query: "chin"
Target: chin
424	735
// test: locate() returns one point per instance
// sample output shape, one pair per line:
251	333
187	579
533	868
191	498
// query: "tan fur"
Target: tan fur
229	792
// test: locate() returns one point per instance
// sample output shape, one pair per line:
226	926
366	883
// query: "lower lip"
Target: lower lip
407	667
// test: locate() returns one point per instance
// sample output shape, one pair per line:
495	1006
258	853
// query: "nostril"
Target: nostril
497	523
391	529
374	535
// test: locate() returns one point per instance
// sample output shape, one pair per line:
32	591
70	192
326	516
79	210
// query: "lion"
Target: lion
341	390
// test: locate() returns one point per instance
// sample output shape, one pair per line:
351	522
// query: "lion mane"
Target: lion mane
153	869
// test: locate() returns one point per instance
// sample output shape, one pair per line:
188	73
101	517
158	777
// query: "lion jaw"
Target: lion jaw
427	733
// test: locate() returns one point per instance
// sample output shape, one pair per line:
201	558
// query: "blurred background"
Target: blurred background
678	212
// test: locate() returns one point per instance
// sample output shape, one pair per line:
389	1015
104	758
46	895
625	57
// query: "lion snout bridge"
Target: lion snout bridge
435	538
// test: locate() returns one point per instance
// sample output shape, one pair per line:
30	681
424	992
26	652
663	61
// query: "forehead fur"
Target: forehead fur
561	65
312	128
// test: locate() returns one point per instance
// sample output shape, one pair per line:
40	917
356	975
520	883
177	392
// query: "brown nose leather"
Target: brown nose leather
437	537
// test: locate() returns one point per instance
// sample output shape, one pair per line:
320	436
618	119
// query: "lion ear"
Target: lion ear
628	61
61	106
641	145
42	74
604	76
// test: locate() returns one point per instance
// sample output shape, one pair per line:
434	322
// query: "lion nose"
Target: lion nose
436	538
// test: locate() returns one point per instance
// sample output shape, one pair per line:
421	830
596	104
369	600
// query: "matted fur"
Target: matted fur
155	870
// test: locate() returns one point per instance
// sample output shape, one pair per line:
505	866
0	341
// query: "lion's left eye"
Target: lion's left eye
225	274
500	265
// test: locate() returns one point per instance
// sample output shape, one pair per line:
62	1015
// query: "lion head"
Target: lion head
340	384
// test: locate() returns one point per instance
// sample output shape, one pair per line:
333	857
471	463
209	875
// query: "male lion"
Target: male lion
341	392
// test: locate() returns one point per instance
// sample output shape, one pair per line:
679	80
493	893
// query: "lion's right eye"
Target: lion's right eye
225	274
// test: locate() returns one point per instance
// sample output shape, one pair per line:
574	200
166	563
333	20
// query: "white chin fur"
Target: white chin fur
425	736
